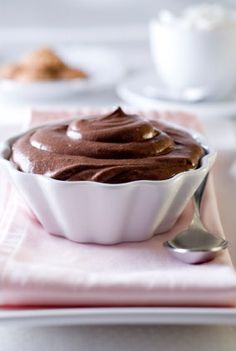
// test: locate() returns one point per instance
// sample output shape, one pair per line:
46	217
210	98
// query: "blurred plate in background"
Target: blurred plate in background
103	66
146	90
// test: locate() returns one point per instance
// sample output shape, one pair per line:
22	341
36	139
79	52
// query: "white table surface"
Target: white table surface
168	338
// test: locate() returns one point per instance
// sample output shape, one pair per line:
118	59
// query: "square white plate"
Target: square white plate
226	183
116	316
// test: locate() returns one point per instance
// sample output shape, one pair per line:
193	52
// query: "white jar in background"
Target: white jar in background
196	49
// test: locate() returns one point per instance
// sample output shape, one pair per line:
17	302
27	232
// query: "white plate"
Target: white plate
103	66
119	315
146	90
147	315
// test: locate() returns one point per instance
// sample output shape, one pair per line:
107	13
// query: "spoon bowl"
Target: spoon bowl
196	244
201	246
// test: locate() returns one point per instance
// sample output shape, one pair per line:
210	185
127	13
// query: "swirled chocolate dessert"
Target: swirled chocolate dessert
115	148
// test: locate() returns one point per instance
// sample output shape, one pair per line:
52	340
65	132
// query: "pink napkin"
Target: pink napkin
38	269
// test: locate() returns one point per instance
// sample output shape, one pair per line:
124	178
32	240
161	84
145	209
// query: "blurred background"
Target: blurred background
81	20
119	26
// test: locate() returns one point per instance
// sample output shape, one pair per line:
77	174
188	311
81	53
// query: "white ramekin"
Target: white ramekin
92	212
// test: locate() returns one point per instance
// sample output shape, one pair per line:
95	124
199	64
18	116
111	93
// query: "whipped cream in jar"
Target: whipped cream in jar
196	49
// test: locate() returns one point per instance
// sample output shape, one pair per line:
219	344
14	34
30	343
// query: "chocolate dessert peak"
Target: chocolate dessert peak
113	148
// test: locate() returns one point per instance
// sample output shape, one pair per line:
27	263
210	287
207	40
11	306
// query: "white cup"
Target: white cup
189	58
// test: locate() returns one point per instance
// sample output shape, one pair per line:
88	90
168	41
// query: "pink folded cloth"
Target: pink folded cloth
38	269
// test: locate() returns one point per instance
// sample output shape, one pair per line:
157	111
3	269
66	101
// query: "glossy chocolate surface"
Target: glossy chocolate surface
115	148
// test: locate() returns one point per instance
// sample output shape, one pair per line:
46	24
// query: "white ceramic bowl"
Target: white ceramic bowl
92	212
195	59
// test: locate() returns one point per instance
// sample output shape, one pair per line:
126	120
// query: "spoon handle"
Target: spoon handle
197	200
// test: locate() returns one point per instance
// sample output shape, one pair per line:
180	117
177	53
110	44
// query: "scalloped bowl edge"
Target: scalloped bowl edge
92	212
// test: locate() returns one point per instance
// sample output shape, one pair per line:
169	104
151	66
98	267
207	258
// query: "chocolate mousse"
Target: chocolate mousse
115	148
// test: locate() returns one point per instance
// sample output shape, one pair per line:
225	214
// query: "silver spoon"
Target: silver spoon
196	244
